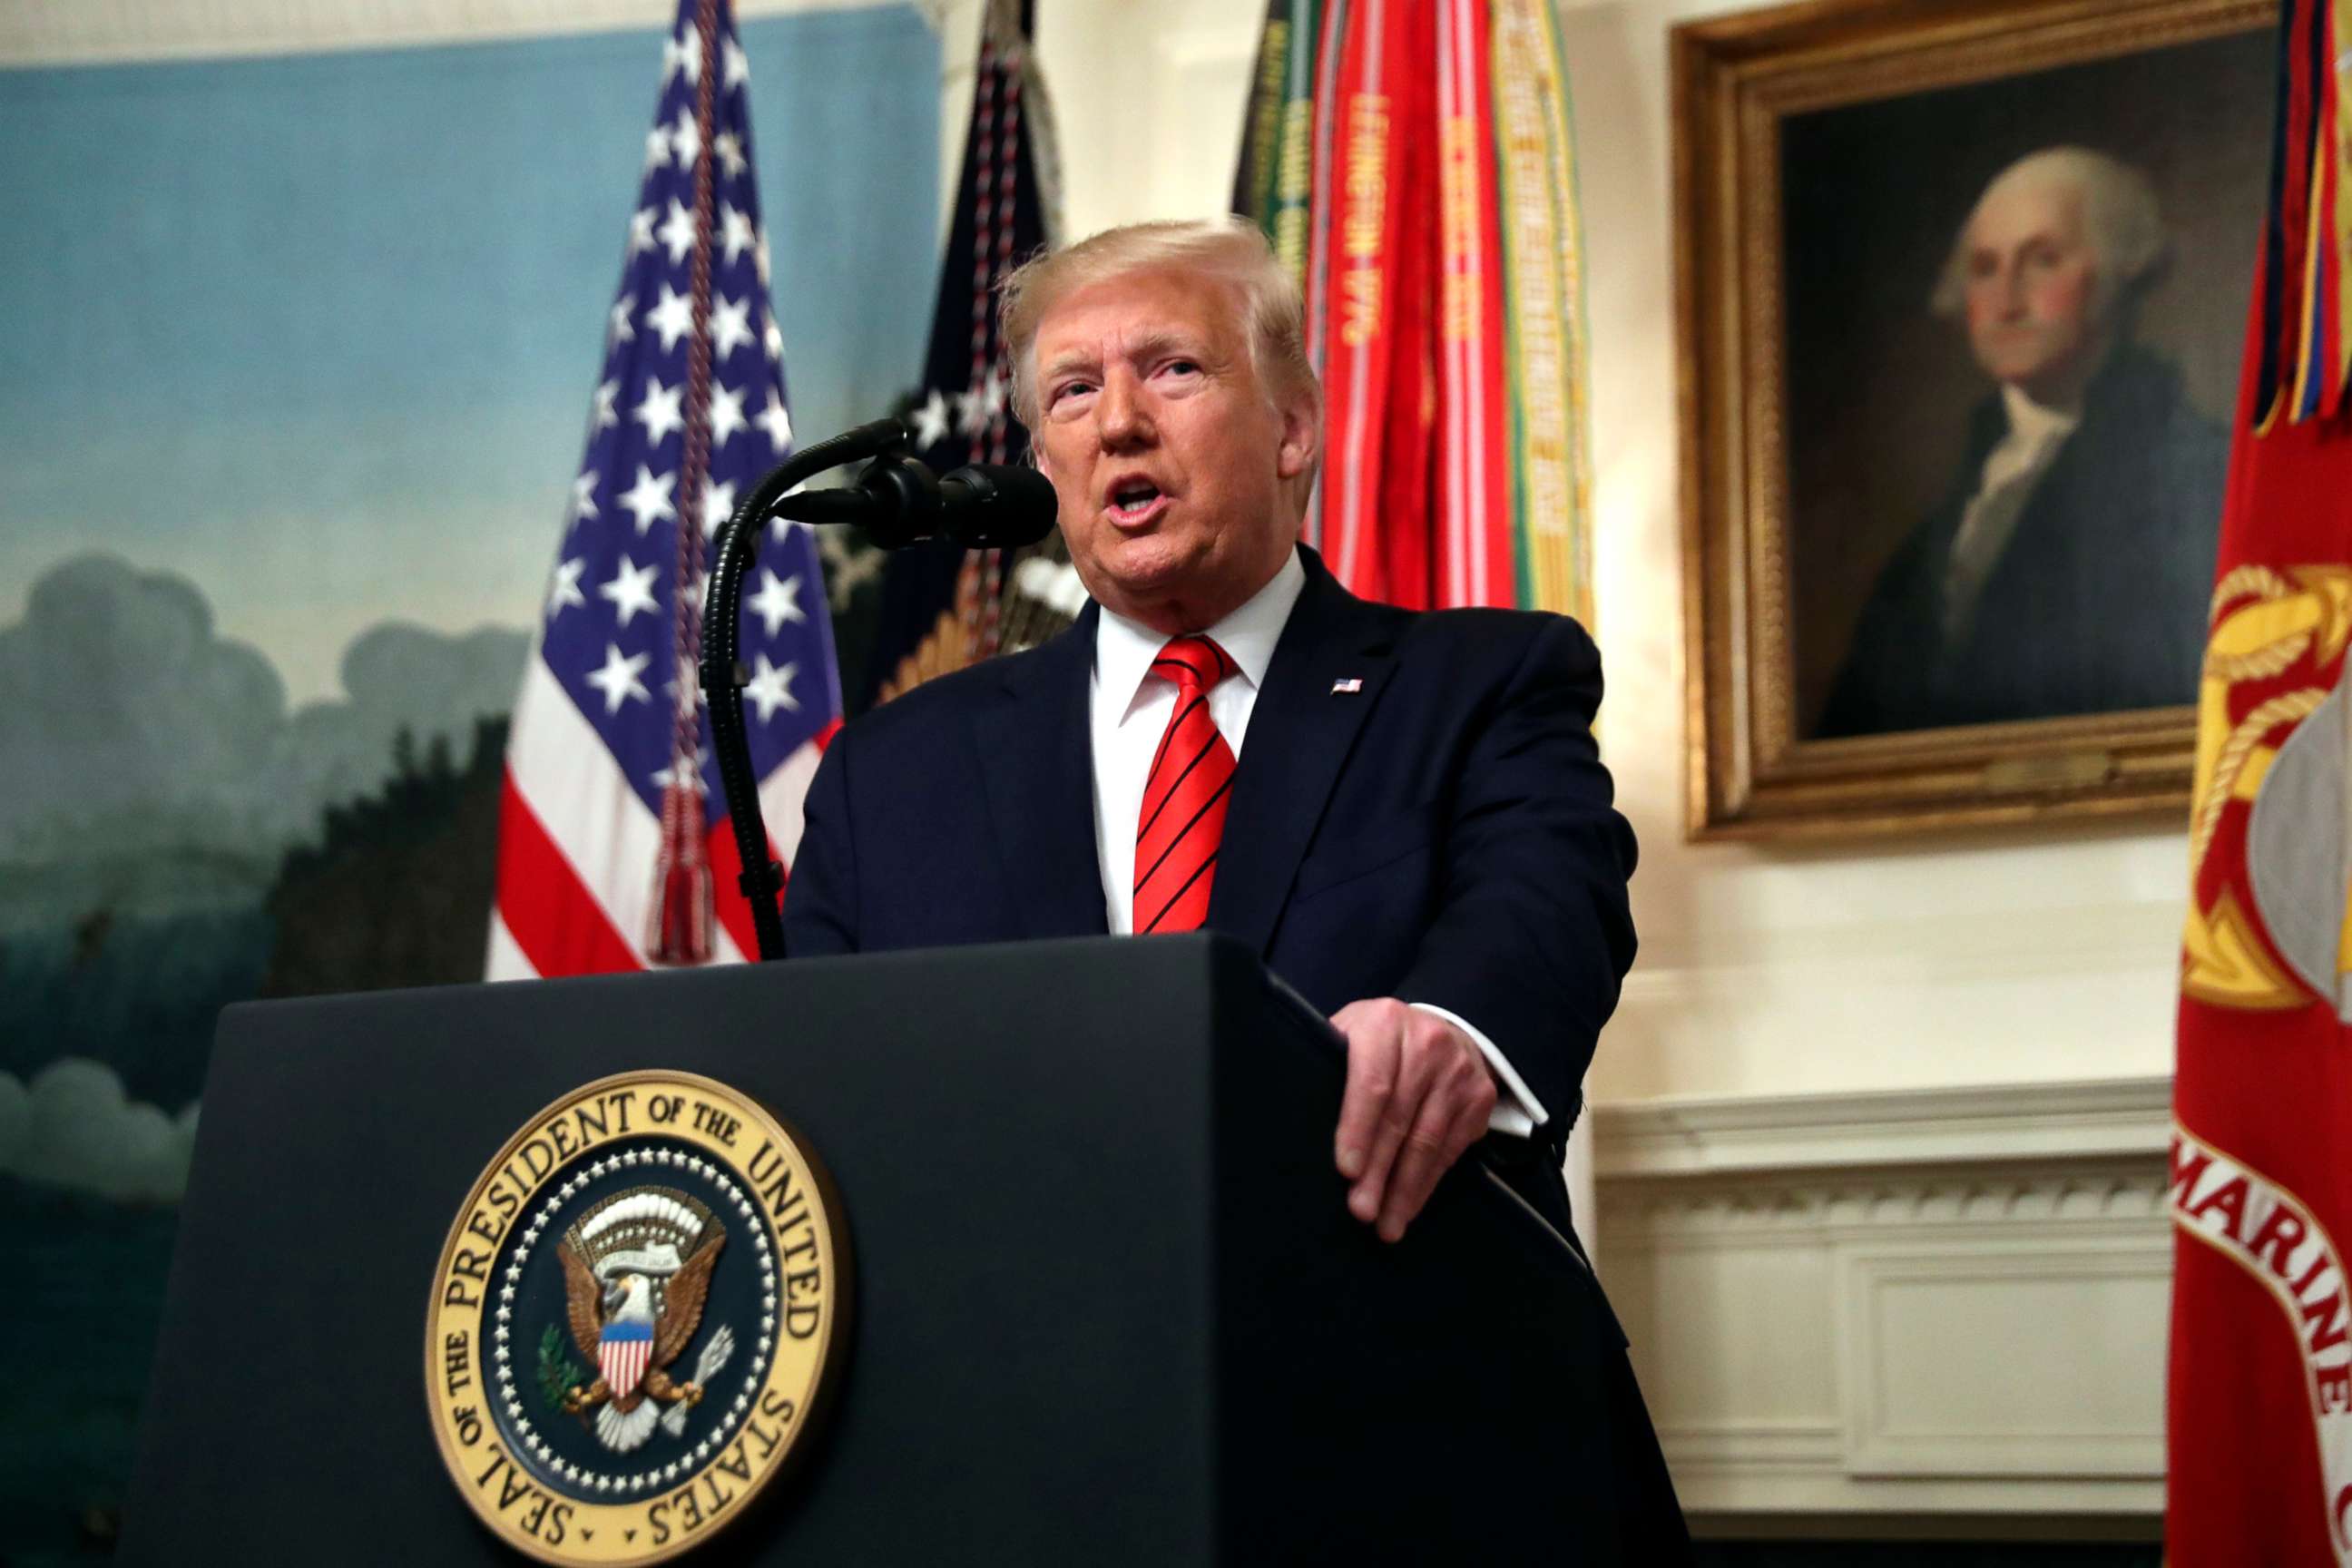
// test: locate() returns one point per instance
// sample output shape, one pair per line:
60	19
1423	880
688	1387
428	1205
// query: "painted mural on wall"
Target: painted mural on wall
293	356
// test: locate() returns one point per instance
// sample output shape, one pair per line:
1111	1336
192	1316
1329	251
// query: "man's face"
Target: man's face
1168	457
2033	291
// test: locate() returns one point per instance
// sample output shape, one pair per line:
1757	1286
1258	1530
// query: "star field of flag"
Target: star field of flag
610	638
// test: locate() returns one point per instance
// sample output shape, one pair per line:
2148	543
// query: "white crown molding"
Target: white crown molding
1871	1129
1959	1206
121	32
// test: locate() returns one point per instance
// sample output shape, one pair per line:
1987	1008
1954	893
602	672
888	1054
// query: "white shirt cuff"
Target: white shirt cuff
1517	1110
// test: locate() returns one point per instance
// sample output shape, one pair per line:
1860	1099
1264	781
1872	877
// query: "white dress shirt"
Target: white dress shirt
2012	470
1128	708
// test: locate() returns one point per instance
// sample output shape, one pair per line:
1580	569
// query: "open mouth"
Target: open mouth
1135	500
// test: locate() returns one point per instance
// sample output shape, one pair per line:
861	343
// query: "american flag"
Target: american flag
614	850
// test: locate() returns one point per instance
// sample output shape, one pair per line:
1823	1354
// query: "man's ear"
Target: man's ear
1302	435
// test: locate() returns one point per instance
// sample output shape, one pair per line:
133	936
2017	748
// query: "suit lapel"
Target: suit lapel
1037	757
1300	732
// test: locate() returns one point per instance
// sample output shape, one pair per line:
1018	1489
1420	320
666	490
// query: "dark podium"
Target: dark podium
1110	1307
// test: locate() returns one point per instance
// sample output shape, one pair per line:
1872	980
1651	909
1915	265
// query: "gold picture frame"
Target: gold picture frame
1765	582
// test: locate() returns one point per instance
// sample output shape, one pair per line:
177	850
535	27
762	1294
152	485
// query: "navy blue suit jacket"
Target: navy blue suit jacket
1445	834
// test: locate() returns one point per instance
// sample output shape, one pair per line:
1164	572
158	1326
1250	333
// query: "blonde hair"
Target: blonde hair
1232	249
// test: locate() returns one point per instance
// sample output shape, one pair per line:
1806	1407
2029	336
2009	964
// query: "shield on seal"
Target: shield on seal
621	1355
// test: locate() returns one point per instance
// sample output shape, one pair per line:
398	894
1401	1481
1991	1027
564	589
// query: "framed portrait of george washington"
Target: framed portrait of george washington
1962	287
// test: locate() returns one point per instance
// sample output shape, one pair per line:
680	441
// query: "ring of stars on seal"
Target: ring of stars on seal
638	1320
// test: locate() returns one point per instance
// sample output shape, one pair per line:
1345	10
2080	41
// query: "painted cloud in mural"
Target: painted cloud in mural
73	1126
135	725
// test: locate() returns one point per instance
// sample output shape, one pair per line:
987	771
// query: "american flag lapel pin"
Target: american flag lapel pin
1351	684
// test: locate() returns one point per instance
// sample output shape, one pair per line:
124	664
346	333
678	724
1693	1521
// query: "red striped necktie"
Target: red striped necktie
1184	797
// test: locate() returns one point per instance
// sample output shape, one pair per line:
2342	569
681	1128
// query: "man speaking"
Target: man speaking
1404	815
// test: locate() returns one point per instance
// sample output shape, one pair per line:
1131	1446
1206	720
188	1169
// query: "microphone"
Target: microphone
897	502
996	506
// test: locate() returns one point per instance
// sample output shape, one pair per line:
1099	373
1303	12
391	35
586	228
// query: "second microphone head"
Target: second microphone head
997	506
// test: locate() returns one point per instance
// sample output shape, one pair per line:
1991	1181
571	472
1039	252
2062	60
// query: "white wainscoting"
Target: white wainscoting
1941	1302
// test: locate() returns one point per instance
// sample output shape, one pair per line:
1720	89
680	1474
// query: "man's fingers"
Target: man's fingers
1371	1079
1398	1113
1452	1119
1418	1094
1428	1150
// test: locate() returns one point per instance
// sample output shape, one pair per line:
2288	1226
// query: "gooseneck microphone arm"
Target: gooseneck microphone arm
723	676
896	501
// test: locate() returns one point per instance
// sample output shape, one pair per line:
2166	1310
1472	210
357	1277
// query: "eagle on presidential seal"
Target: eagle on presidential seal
636	1271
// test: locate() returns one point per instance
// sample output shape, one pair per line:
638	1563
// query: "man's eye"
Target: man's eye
1069	389
1184	366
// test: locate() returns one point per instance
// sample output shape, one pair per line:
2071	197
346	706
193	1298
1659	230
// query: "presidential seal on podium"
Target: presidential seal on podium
639	1317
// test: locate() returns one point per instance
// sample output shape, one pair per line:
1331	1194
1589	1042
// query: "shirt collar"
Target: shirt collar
2036	422
1124	649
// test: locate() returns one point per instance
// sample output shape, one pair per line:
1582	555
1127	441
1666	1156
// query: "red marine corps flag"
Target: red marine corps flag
2261	1390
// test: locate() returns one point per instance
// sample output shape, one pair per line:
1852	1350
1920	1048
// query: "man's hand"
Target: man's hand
1418	1094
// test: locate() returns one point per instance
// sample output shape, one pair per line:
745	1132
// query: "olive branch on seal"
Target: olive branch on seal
558	1372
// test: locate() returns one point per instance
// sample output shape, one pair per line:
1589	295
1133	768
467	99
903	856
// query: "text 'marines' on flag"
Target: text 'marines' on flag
613	848
2259	1434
